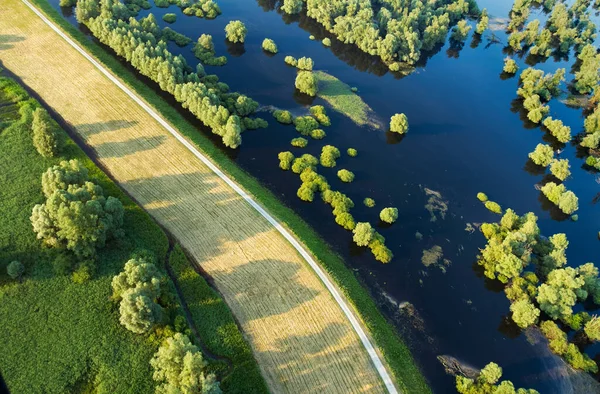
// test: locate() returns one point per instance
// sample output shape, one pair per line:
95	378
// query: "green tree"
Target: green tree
363	233
484	20
291	6
482	197
510	66
236	31
345	175
388	215
139	312
285	160
369	202
269	45
329	154
305	64
307	83
63	175
45	134
561	132
15	269
493	207
560	168
352	152
299	142
460	31
399	123
139	273
524	313
283	116
559	293
292	61
542	155
592	329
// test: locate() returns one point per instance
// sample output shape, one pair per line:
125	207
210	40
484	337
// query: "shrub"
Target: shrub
46	140
283	116
204	49
493	206
345	175
369	202
236	31
305	63
326	41
318	112
306	83
139	312
352	152
542	155
580	360
556	127
305	124
317	134
560	168
460	31
15	269
303	162
363	234
354	89
592	329
311	37
566	201
388	215
557	338
292	6
399	124
140	272
510	66
482	197
329	154
285	160
269	45
524	313
591	140
169	18
291	61
299	142
346	220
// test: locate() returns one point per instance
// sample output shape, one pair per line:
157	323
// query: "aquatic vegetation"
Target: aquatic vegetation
299	142
236	31
487	382
369	202
542	155
269	45
435	204
345	175
434	256
343	100
203	8
460	31
329	154
283	116
399	124
169	18
565	199
317	134
510	66
290	60
204	49
556	127
305	124
352	152
483	23
318	112
388	215
307	83
560	169
305	64
493	207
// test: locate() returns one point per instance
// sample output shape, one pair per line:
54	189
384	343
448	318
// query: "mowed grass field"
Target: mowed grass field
298	334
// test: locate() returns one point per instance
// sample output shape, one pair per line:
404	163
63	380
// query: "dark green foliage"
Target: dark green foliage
169	18
45	138
204	50
283	116
369	202
178	38
305	124
318	112
15	269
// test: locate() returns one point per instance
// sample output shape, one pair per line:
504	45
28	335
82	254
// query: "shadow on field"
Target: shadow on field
6	40
89	129
125	148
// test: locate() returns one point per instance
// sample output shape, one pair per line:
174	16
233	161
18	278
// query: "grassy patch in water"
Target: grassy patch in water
342	99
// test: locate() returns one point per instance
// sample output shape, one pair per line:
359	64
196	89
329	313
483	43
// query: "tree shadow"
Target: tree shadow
129	147
235	49
89	129
6	40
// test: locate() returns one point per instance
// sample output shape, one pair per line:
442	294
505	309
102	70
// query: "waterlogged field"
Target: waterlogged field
468	134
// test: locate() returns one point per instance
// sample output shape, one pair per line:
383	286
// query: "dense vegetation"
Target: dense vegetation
487	382
393	31
143	44
204	49
208	9
69	283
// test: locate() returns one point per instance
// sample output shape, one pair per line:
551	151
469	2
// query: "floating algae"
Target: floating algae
435	204
435	257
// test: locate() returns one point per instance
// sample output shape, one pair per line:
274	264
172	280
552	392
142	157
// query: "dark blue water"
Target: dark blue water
467	134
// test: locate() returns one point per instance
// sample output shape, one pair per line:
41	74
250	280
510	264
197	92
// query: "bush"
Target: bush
305	124
269	45
329	154
556	127
138	310
345	175
317	134
204	49
46	140
363	234
560	168
303	162
352	152
524	313
305	63
460	31
169	18
388	215
299	142
557	338
291	61
311	37
510	66
482	197
592	329
399	124
285	160
236	31
542	155
306	82
326	41
566	201
493	206
15	269
283	116
369	202
318	112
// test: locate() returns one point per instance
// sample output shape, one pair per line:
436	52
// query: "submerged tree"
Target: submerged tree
306	82
399	124
236	31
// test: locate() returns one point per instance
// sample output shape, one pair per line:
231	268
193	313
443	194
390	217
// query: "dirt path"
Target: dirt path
302	335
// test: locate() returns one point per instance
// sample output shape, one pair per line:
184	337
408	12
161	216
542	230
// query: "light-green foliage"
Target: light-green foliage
326	41
305	124
369	202
299	142
303	162
305	64
493	207
389	215
45	138
169	18
559	293
352	152
482	197
236	31
561	132
510	66
318	112
306	82
592	329
329	154
139	312
363	234
291	6
461	31
565	199
587	78
283	116
269	45
285	160
399	123
317	134
524	313
536	110
560	168
204	49
487	382
484	20
292	61
345	175
542	155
